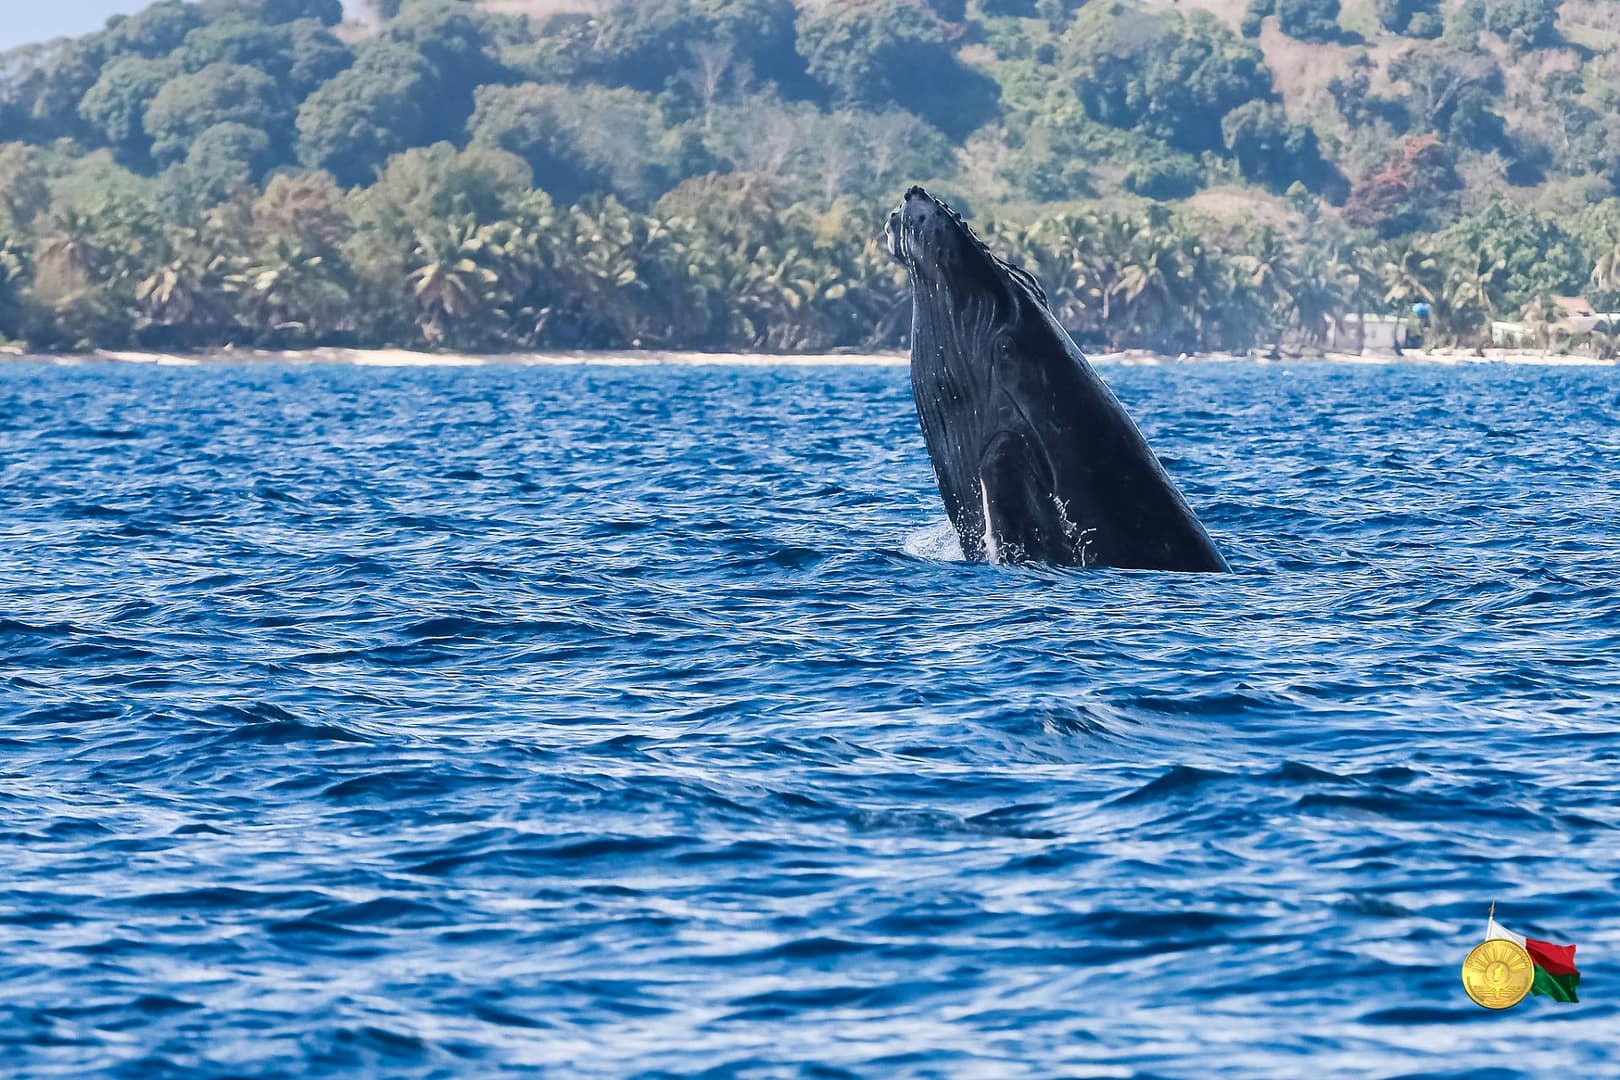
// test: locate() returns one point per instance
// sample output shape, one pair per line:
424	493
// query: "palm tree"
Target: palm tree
1230	312
1060	253
1141	285
600	277
84	277
1471	288
288	291
169	296
1606	271
1325	287
1410	274
785	288
877	298
1606	339
13	269
1105	258
1363	290
1270	273
1188	307
448	284
67	258
1540	317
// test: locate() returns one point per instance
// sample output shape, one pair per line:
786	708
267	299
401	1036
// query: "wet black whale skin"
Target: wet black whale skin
1036	459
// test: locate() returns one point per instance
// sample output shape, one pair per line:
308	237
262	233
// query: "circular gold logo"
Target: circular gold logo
1497	973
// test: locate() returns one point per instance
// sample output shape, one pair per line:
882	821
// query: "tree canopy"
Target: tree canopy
711	172
1169	75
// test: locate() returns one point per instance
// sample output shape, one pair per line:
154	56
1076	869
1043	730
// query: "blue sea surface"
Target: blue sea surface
638	721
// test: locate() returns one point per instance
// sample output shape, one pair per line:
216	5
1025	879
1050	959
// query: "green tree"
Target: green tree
43	85
1269	269
305	209
152	32
1326	286
86	267
1414	18
299	55
1409	274
296	287
288	295
1533	253
1523	24
1309	20
894	52
1162	174
1272	151
1254	16
1463	25
1605	276
222	161
218	94
24	191
183	300
115	107
368	113
86	185
581	140
1448	92
453	292
317	56
460	46
422	192
649	44
1473	287
1170	75
524	250
439	183
327	12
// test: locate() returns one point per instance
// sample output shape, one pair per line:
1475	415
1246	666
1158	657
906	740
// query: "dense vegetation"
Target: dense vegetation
713	173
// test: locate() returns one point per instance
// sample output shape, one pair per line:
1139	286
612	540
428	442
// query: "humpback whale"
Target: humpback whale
1037	461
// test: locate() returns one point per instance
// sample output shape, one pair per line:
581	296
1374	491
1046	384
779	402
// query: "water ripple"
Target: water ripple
646	721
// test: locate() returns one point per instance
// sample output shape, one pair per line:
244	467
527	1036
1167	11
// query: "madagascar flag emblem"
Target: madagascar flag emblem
1505	967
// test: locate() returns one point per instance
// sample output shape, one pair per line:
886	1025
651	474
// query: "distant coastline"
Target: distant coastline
492	176
685	358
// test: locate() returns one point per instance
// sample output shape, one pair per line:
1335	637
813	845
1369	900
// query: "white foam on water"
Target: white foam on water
937	543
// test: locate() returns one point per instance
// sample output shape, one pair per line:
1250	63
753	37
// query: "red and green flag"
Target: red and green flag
1555	974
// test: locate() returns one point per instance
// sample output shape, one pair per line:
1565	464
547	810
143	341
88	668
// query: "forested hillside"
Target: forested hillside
523	174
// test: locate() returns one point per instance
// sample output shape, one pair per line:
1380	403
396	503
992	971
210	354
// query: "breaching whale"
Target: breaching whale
1036	459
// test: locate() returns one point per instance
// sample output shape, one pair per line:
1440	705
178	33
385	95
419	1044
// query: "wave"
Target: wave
644	720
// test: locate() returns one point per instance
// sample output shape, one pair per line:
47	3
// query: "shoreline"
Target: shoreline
687	358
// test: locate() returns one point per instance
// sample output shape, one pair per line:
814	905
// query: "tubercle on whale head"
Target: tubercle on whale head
932	241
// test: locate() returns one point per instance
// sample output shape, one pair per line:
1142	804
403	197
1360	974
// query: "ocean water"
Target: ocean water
604	722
